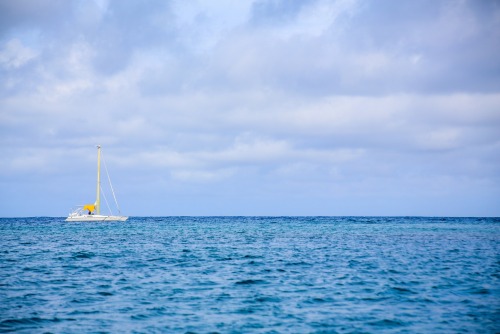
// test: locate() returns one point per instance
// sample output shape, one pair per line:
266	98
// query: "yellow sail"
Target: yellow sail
89	207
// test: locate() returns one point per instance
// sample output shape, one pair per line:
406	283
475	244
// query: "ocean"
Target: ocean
250	275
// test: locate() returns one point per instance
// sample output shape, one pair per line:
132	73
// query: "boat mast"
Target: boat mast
98	200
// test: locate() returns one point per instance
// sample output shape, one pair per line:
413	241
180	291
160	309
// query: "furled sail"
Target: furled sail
89	207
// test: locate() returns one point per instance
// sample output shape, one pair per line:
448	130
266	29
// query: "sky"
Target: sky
251	107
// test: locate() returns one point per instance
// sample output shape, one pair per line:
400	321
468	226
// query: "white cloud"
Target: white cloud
315	19
203	176
14	54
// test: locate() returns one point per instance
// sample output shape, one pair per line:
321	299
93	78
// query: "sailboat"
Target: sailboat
92	212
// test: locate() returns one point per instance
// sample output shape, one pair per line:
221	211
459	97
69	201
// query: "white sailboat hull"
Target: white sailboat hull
95	218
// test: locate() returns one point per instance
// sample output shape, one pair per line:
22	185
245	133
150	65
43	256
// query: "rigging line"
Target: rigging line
110	184
106	200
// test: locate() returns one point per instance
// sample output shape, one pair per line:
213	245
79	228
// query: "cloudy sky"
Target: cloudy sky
251	107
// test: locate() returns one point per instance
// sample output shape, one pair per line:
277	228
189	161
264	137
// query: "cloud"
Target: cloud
275	107
15	55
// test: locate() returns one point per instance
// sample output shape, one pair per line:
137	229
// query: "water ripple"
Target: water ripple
251	274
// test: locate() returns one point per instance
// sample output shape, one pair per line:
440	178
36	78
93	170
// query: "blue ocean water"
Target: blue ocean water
251	275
